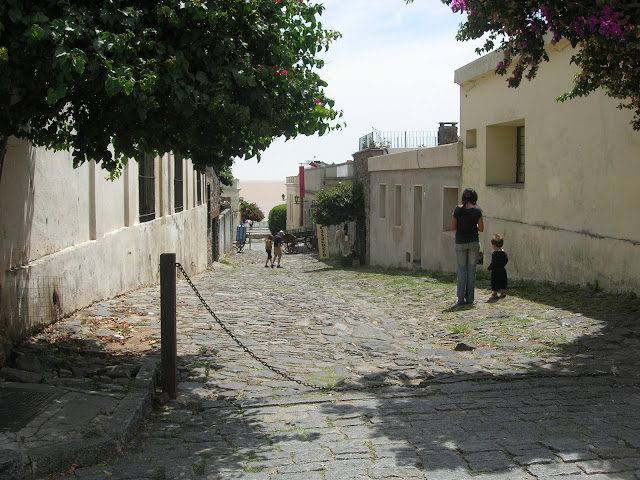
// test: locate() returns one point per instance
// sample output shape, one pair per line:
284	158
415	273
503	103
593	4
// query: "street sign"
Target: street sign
323	242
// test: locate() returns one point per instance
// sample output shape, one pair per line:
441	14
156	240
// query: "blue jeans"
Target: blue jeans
467	256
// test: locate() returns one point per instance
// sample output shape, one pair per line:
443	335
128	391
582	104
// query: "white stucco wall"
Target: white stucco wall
74	226
416	185
570	221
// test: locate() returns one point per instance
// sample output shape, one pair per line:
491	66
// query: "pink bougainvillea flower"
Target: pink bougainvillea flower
318	101
458	5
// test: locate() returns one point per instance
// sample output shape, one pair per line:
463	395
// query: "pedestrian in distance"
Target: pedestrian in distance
467	221
277	248
499	260
268	245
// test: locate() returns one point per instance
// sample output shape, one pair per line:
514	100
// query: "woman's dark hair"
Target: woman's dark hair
469	195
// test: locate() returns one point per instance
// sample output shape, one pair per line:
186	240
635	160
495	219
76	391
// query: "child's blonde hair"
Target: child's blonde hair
497	240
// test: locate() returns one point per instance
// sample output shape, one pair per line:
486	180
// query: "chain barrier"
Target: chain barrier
355	388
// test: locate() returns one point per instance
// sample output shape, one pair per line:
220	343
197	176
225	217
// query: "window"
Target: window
505	153
382	201
198	188
471	139
520	154
178	181
146	188
398	205
209	200
449	202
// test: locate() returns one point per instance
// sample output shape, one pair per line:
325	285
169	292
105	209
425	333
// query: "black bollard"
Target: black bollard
169	351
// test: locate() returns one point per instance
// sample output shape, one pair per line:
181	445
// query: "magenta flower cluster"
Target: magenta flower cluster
459	5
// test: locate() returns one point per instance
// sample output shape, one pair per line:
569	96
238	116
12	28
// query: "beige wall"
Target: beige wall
294	212
571	220
73	232
412	197
315	178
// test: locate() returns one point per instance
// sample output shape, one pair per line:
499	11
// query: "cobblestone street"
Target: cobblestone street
522	388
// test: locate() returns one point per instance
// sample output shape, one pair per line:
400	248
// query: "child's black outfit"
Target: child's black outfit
499	260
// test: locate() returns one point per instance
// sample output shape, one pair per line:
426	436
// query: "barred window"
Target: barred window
199	188
178	182
520	154
146	188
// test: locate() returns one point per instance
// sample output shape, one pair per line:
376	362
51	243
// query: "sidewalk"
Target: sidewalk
52	428
518	389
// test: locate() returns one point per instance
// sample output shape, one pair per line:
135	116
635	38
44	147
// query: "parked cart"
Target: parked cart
294	237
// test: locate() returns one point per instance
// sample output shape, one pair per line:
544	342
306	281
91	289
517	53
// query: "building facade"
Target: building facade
412	195
71	237
558	180
304	188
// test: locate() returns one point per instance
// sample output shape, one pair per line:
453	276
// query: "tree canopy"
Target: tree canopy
277	219
250	212
342	203
606	34
209	80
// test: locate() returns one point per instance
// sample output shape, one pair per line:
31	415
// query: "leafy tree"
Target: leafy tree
277	219
251	212
606	34
342	203
225	175
209	80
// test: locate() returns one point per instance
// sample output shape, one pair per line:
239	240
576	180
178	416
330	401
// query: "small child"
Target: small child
268	245
498	273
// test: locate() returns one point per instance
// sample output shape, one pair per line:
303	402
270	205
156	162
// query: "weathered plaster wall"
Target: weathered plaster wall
571	220
75	227
409	211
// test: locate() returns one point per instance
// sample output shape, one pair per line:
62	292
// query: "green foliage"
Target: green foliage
594	287
225	175
343	203
207	80
606	33
278	219
251	212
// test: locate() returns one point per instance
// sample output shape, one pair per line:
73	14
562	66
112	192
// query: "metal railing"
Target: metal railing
409	139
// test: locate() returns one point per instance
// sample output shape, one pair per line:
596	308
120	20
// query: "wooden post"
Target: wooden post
168	337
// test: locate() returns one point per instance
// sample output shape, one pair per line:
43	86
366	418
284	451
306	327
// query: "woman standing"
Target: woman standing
467	222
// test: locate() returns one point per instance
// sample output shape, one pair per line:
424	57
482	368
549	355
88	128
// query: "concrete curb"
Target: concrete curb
119	429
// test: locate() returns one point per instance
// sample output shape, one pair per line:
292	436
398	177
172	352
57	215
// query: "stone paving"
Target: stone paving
518	389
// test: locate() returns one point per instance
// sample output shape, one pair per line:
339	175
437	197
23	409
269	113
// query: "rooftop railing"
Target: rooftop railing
379	139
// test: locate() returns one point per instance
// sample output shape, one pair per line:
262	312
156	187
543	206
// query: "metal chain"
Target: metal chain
354	388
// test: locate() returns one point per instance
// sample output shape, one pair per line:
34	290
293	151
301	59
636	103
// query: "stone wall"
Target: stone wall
361	174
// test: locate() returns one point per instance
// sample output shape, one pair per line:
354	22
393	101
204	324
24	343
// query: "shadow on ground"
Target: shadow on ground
515	424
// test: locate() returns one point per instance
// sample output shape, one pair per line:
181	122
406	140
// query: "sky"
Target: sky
392	70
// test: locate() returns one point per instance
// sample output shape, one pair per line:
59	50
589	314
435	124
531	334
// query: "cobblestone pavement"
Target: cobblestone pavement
517	389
